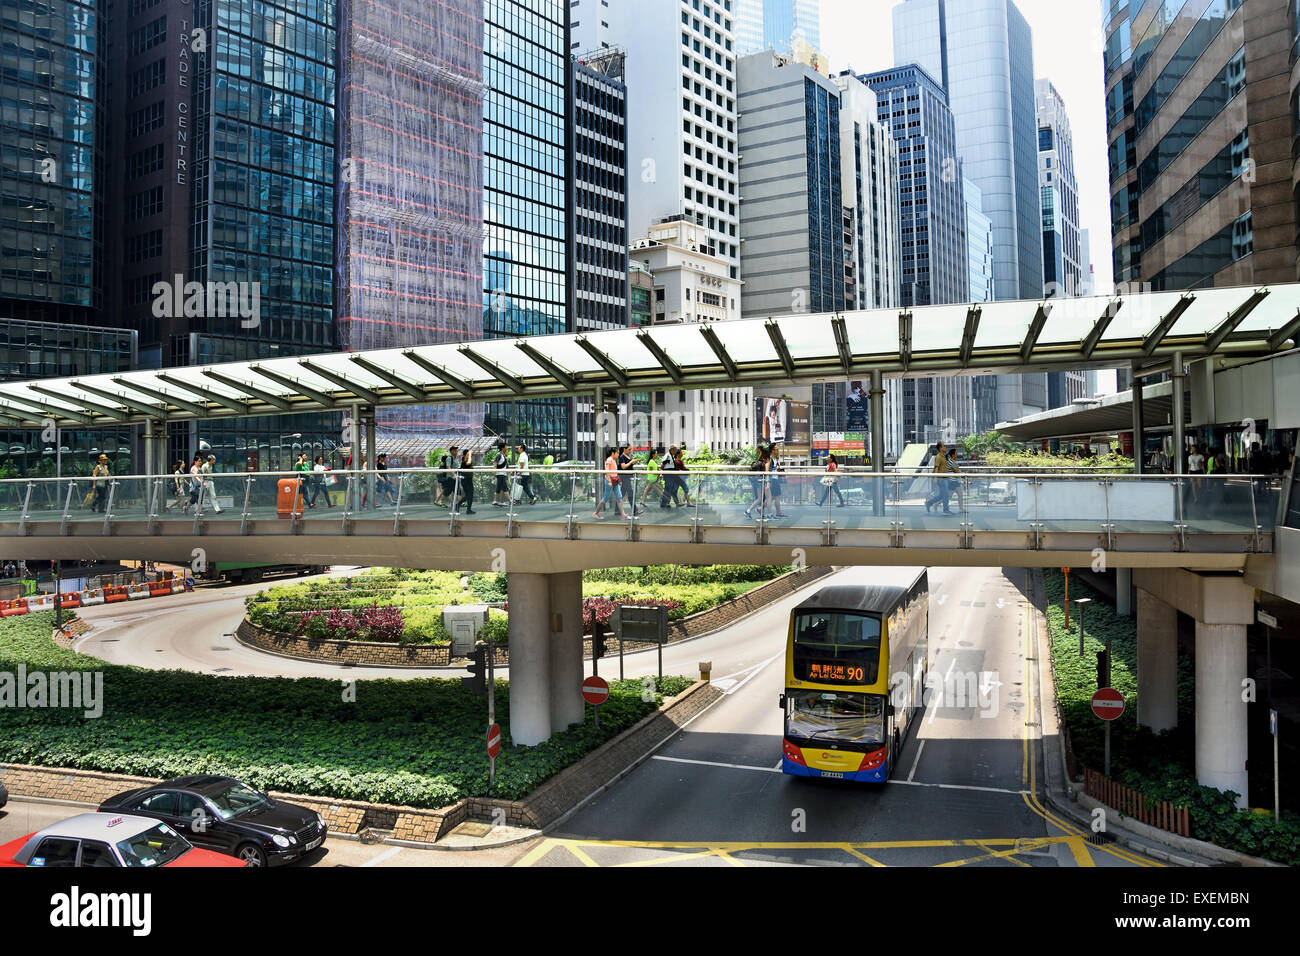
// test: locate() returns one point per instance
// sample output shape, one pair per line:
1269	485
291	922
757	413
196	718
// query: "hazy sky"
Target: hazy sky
859	35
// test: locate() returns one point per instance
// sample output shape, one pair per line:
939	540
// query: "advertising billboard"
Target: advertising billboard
856	406
783	422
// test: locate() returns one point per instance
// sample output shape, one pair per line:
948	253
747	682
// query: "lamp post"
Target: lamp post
1081	602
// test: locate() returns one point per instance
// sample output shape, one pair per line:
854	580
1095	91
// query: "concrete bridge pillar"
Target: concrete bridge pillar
1157	661
1124	592
1222	605
530	657
566	649
1220	710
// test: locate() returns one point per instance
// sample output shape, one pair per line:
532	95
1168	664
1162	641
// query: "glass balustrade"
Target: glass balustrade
794	498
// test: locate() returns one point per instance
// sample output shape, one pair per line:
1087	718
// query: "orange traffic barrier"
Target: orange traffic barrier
288	498
71	599
115	593
159	587
13	608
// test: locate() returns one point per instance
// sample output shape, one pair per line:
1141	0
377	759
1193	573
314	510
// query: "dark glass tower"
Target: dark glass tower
525	216
51	134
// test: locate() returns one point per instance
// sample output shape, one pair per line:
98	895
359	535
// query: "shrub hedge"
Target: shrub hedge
410	742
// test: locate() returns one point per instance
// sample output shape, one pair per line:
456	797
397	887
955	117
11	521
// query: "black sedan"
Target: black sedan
226	815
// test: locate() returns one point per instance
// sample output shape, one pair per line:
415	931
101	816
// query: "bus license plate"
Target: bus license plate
836	776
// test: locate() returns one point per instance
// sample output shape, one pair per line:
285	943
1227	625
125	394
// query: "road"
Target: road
968	793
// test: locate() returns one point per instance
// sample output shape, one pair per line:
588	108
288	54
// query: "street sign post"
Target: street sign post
493	748
1108	704
1081	602
595	691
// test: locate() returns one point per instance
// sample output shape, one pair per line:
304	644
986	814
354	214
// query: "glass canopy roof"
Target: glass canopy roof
1008	337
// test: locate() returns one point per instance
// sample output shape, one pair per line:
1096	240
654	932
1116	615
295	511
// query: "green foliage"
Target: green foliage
411	742
984	443
1027	459
688	574
1162	766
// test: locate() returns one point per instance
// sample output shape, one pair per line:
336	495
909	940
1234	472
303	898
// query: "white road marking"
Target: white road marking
754	672
722	683
714	763
386	855
777	769
919	748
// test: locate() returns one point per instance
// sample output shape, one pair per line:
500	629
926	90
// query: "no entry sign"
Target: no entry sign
494	741
595	690
1108	703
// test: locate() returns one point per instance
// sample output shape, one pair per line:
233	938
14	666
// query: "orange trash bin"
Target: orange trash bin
288	498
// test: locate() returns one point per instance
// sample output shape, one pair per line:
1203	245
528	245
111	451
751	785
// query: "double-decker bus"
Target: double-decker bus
855	665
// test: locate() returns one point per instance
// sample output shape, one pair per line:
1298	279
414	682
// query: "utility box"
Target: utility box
462	622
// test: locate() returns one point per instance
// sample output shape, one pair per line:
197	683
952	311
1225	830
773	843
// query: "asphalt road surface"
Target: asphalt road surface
967	793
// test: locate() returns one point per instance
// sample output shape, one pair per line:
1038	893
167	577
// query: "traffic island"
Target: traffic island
354	653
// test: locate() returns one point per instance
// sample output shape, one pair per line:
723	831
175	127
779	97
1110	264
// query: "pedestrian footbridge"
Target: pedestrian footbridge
404	519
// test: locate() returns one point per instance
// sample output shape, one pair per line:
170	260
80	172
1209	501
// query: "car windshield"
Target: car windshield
155	847
236	799
819	715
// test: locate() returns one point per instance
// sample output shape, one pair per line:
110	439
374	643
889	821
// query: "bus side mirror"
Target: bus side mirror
891	710
781	701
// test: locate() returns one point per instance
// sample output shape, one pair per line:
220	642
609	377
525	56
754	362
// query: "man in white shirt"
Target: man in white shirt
525	478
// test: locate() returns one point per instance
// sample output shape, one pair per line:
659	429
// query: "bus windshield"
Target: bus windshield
822	715
836	647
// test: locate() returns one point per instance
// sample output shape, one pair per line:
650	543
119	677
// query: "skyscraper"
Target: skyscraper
598	179
773	24
1058	195
981	52
410	187
793	245
683	139
525	195
51	178
979	242
933	248
1202	127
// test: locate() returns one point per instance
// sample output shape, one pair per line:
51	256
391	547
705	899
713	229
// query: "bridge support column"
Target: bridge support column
371	460
1180	436
1157	661
1124	592
530	657
566	649
1220	710
1138	465
877	423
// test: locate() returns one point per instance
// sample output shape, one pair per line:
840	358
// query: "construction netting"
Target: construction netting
410	189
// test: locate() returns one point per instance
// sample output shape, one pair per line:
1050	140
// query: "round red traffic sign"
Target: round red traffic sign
595	690
1108	703
494	741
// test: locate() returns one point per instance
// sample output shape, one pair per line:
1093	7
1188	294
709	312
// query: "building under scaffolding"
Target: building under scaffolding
410	187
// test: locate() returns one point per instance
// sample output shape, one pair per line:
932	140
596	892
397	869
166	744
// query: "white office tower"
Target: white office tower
691	284
681	108
869	186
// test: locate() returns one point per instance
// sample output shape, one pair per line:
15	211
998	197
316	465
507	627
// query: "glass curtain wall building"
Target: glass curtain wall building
773	24
527	240
51	153
60	350
598	179
410	188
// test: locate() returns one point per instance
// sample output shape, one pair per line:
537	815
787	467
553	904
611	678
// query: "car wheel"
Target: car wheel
251	854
